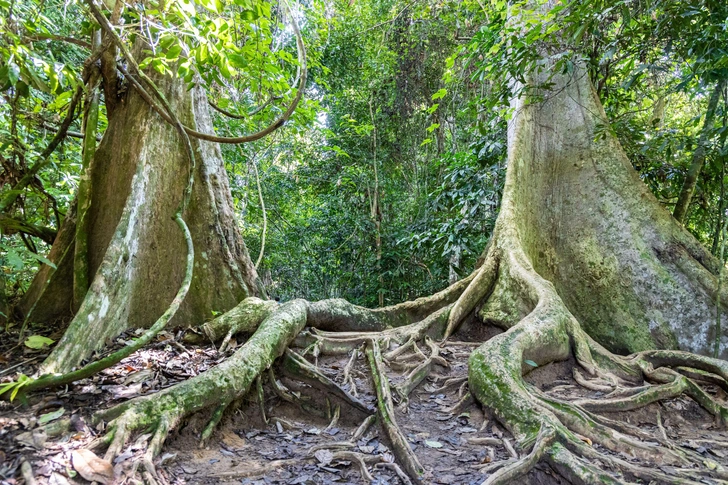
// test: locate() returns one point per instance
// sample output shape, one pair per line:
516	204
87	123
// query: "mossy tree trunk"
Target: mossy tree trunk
584	262
587	259
136	253
633	277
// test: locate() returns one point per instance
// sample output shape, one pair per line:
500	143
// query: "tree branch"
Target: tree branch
60	38
44	158
254	112
196	134
10	225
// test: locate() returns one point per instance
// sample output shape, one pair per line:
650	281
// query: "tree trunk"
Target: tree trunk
585	255
632	276
582	253
135	250
698	158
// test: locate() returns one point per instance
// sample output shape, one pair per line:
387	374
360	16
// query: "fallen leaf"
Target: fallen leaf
433	444
37	341
324	456
91	467
48	417
36	438
139	377
58	479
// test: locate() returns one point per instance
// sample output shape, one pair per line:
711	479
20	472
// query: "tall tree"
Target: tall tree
584	262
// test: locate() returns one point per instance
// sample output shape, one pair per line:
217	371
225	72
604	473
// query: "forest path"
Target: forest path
455	441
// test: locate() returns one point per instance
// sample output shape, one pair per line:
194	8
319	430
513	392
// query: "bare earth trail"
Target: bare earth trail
566	333
455	440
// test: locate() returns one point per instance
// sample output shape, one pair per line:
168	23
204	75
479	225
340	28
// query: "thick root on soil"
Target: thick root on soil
280	325
562	432
401	448
217	387
546	428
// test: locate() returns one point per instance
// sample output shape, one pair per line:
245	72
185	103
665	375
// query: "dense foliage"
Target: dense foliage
386	182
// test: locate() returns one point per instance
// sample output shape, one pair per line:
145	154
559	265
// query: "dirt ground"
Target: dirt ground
455	441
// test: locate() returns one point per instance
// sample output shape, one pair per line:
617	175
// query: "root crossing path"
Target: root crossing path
590	284
401	405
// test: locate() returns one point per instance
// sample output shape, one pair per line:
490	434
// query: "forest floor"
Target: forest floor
455	441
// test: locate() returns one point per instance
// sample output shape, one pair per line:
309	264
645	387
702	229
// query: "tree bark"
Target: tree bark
633	277
698	158
135	250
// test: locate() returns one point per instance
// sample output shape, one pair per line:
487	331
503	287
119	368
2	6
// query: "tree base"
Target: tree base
571	433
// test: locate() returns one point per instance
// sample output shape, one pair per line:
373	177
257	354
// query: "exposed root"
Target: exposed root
298	367
337	445
334	419
255	470
460	406
360	459
217	415
488	441
261	398
279	389
385	408
363	427
400	473
455	381
521	467
550	333
594	385
479	289
339	343
414	378
577	471
218	387
245	317
544	427
348	378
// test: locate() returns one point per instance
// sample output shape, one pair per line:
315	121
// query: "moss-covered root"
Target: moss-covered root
297	367
577	471
481	286
521	467
340	343
245	317
220	385
385	407
346	322
419	373
550	333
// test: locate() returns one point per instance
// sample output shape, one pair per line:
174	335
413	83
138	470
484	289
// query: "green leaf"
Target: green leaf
237	60
531	363
53	415
440	94
7	386
433	444
249	15
42	259
13	73
174	52
15	386
14	260
433	127
37	341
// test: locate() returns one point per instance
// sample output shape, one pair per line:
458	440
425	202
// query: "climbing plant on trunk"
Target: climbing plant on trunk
584	263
